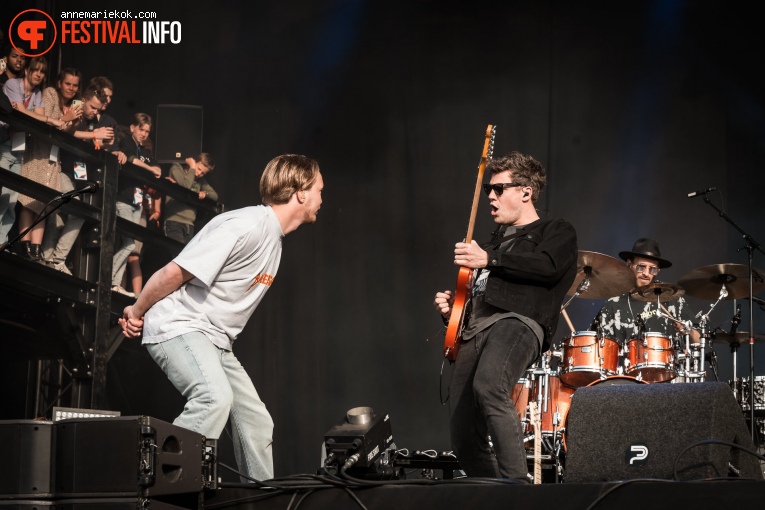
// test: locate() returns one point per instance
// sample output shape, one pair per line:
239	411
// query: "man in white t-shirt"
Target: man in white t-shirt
192	310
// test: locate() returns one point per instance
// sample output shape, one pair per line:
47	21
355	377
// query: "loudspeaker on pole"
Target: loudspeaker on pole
178	132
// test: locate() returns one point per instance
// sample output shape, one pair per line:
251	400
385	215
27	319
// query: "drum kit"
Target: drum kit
588	358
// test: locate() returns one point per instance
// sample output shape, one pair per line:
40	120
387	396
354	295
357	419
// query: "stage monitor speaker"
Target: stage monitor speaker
178	132
26	459
136	456
629	431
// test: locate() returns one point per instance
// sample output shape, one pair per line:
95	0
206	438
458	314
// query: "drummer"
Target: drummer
625	317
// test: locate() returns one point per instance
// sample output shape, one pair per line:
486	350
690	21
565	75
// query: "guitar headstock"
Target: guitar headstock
492	135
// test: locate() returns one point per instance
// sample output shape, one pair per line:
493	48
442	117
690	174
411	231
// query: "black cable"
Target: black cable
441	381
292	499
711	441
355	498
236	472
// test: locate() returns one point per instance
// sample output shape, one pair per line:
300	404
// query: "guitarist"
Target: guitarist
520	279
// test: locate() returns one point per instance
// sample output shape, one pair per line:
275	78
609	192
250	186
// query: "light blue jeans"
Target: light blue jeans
9	160
217	388
59	240
125	243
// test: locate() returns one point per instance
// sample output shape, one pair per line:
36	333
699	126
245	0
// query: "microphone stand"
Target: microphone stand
751	245
62	199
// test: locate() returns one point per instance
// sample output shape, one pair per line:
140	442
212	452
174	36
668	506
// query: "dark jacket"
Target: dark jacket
532	277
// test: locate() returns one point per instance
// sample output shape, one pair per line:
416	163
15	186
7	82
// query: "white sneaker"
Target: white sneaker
61	266
118	288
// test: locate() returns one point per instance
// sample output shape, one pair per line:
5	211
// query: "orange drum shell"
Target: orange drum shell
558	399
655	360
520	397
582	353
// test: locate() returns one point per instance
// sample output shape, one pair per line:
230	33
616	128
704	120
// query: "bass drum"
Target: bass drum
608	381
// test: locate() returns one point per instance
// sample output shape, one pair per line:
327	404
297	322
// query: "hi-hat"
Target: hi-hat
606	276
658	291
706	282
741	337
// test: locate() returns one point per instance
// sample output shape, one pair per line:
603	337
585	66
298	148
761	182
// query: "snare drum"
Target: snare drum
587	358
651	358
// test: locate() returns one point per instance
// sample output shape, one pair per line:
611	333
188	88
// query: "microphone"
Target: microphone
735	321
90	187
702	192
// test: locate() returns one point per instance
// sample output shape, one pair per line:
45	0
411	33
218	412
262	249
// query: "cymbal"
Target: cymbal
706	282
657	291
741	337
607	277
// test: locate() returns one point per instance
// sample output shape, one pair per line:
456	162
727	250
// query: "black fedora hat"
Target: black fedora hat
647	248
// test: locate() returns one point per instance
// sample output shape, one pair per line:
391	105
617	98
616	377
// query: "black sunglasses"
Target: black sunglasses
499	187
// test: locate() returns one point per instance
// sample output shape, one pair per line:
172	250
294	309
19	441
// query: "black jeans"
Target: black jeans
487	368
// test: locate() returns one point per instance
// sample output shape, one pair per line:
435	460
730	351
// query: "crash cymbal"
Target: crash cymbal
657	291
741	337
706	282
606	276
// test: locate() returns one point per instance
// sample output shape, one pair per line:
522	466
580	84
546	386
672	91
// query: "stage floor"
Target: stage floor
636	494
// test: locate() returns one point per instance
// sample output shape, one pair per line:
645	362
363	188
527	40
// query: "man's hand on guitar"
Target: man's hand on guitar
443	302
470	255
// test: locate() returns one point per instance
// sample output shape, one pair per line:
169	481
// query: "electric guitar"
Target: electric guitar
461	293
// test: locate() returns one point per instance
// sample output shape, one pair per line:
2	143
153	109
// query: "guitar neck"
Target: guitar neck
537	422
488	149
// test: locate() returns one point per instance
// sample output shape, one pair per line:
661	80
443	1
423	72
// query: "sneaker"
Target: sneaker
61	266
119	289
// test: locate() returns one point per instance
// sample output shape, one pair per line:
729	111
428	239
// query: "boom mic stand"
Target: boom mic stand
751	245
61	199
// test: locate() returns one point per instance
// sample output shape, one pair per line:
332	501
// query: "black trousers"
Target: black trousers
487	368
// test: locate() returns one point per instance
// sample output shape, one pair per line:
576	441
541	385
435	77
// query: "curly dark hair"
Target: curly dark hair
525	170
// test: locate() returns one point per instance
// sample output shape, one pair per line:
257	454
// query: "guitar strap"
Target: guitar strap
496	243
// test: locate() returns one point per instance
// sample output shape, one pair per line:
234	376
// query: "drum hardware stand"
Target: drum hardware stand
713	363
734	322
751	245
583	287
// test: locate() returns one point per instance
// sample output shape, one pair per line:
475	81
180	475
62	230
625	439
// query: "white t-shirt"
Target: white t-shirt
234	260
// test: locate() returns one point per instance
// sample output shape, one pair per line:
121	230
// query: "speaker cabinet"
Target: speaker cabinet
622	432
128	456
178	132
26	459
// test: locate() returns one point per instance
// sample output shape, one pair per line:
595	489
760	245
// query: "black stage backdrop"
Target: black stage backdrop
629	105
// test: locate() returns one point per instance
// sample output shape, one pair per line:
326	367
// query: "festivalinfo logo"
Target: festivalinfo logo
34	32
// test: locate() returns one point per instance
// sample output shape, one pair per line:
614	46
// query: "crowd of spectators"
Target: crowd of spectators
68	103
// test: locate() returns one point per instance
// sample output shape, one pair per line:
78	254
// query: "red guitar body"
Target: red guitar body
457	317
